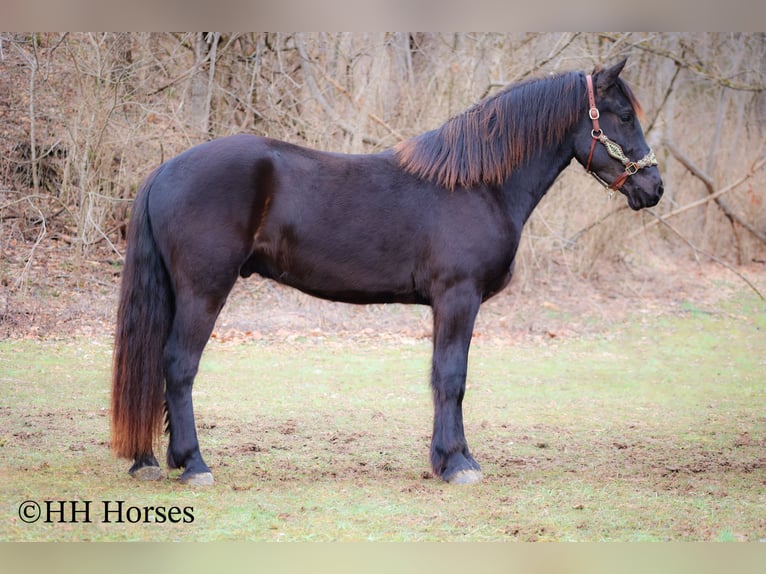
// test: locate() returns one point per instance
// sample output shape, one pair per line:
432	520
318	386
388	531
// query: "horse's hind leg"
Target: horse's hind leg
193	323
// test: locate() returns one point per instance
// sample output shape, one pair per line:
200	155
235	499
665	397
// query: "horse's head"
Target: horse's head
610	143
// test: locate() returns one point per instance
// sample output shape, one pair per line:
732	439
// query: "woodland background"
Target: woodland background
85	116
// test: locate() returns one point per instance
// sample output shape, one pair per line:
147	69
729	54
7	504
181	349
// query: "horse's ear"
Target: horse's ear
608	76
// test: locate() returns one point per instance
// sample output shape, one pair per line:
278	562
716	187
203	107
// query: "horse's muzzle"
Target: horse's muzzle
639	197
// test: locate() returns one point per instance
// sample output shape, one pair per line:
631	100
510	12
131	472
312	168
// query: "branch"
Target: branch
695	170
710	186
696	68
712	197
216	55
557	51
573	240
22	279
317	94
706	254
664	101
370	115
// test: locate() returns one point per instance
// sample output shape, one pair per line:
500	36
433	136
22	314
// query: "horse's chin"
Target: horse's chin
634	201
638	199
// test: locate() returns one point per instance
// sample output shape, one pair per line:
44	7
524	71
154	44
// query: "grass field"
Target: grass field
652	430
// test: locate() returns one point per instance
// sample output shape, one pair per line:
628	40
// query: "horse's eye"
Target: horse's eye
626	118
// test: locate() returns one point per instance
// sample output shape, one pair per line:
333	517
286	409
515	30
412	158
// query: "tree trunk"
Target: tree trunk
199	115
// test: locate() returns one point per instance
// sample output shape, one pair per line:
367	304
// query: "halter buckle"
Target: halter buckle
631	168
594	113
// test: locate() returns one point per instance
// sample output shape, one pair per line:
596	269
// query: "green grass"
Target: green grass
655	430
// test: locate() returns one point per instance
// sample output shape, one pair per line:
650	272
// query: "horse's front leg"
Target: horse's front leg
454	315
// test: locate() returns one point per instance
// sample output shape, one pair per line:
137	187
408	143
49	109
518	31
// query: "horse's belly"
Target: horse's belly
337	275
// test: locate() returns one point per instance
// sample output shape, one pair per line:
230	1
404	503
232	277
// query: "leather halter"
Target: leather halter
612	148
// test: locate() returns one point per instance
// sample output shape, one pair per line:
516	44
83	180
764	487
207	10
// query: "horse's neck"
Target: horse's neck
527	186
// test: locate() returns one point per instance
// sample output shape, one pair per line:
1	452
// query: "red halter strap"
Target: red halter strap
594	115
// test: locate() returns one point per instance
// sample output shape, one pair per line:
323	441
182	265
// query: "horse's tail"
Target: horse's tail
144	318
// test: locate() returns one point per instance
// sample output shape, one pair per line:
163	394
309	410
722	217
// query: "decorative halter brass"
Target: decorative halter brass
612	148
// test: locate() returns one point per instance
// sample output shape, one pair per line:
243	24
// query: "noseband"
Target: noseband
612	148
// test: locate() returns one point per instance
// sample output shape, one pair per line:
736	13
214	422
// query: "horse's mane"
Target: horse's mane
487	142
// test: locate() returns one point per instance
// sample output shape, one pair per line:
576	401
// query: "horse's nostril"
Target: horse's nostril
660	190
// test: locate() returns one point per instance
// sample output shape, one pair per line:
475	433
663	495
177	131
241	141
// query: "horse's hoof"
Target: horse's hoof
147	473
197	479
465	477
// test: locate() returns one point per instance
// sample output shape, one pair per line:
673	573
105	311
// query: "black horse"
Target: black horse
435	221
